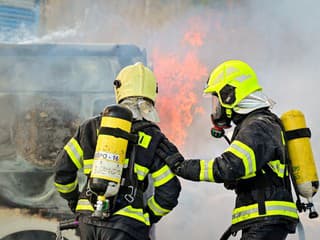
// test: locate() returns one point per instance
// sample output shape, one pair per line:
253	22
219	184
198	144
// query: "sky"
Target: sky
278	38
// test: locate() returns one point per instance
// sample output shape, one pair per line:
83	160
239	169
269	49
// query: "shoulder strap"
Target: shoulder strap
133	194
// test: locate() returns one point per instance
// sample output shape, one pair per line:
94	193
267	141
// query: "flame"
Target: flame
179	78
194	37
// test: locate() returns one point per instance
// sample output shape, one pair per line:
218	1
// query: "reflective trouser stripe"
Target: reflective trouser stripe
156	208
162	176
273	208
136	213
75	152
206	170
66	188
128	211
84	205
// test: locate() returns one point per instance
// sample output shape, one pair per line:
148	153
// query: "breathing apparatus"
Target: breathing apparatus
109	158
303	170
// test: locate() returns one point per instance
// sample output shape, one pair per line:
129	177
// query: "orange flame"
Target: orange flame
179	78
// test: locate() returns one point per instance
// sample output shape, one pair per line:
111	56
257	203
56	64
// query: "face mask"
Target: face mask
216	108
219	118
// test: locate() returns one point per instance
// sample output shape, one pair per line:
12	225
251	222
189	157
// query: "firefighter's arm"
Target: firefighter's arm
188	169
252	148
220	169
66	181
166	189
68	162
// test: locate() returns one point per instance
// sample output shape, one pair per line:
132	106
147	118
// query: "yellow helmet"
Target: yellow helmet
135	81
232	81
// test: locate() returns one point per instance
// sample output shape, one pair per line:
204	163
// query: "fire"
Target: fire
180	79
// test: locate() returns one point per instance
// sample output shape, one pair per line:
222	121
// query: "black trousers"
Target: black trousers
266	232
91	232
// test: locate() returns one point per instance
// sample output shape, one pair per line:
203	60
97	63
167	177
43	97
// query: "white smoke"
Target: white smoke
279	39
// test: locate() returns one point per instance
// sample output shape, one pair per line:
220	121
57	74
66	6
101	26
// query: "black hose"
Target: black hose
68	224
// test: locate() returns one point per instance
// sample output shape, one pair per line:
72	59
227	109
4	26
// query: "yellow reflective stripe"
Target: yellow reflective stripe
87	165
126	163
75	152
144	139
156	208
206	170
66	188
277	167
84	205
135	213
246	154
141	171
162	176
273	208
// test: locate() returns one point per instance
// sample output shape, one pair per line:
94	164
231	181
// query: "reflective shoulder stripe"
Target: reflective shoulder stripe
246	154
277	167
141	171
66	188
84	205
144	139
156	208
75	152
87	165
162	176
206	170
273	208
135	213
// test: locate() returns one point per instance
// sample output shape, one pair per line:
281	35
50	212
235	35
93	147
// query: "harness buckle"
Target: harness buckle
130	196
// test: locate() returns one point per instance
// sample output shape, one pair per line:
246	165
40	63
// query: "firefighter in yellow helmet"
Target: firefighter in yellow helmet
254	165
133	210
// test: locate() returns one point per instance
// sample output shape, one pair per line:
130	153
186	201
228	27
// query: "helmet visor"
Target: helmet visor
216	108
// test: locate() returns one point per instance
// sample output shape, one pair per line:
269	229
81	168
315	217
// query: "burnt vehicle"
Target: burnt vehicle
46	91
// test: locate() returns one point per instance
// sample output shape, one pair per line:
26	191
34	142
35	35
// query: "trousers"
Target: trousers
91	232
266	232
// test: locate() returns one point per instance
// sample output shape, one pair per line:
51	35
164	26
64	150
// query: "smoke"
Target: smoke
279	39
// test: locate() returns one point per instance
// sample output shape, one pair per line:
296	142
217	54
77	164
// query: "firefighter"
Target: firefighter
254	164
135	208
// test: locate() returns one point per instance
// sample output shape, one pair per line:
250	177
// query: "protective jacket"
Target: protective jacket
135	217
255	166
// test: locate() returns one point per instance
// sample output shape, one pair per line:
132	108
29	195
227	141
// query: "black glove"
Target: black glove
170	155
72	203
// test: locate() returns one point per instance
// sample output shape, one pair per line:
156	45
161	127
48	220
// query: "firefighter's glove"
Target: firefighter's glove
170	154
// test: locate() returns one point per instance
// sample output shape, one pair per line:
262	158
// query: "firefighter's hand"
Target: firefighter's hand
72	203
170	155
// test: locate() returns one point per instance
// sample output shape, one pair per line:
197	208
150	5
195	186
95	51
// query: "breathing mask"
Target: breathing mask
219	118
